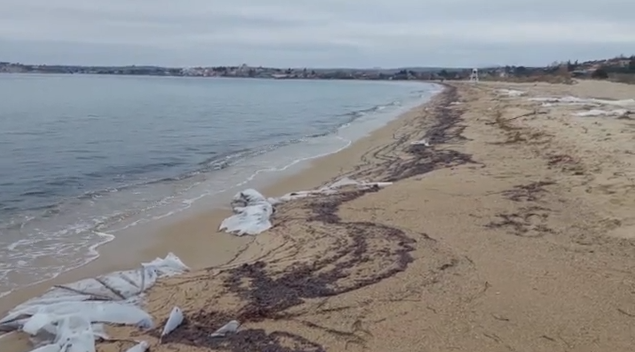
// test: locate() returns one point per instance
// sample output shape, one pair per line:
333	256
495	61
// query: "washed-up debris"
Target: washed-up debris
571	100
252	211
69	318
329	190
422	142
140	347
48	348
511	92
597	112
75	334
174	320
566	100
229	328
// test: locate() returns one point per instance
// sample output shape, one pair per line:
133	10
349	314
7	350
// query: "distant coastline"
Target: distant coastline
621	69
242	71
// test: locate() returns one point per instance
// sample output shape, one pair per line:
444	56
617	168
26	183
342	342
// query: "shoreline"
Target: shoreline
203	239
320	147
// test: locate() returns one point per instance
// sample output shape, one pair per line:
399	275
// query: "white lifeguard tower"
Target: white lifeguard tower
474	75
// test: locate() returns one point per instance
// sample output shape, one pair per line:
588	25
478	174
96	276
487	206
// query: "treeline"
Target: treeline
105	70
607	71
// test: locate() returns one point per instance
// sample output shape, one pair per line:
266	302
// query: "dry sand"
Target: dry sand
513	232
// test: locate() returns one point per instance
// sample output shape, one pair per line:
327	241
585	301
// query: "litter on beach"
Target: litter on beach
571	100
422	142
140	347
596	112
229	328
252	211
511	92
174	320
69	318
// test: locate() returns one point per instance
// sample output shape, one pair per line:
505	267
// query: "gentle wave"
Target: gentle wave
91	243
217	162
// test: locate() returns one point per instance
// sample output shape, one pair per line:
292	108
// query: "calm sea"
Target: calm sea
84	157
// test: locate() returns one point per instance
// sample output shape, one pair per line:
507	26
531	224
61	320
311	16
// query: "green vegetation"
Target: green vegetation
620	69
600	74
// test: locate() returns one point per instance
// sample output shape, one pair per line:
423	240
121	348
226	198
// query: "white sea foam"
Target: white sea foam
17	259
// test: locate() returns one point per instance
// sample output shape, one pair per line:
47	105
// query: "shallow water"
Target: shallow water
84	157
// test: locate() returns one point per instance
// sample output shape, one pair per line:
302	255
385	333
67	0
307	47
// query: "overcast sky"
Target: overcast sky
314	33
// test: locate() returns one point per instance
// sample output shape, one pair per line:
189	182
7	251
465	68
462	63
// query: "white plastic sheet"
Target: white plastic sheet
252	211
330	189
229	328
511	92
571	100
174	320
48	348
597	112
562	100
75	334
140	347
70	313
422	142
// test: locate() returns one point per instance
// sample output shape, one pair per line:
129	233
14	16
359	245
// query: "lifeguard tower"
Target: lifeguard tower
474	75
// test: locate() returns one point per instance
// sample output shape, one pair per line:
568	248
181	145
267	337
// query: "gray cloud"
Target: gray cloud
314	32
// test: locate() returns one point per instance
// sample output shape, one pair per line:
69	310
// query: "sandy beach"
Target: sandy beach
512	231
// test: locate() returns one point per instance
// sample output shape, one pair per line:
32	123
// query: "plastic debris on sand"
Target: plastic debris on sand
68	318
511	92
140	347
570	100
229	328
174	320
567	100
252	211
422	142
596	112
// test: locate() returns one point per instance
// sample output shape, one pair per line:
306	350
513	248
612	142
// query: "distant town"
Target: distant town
242	71
620	68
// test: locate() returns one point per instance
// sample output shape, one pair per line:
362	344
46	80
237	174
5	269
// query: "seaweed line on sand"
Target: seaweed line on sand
445	128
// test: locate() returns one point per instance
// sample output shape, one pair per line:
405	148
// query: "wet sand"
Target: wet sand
514	231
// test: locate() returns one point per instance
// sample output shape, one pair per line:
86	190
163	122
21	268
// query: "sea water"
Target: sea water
85	157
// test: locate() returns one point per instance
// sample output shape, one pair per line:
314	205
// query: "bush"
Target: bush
600	74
